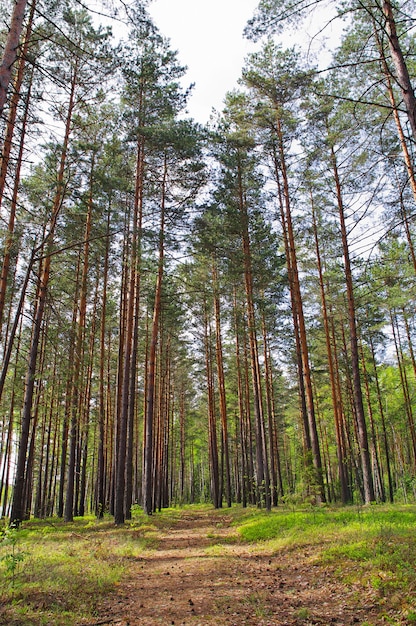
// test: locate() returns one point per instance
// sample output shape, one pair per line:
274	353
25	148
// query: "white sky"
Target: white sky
208	35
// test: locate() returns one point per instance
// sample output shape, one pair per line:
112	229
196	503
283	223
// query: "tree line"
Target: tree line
197	313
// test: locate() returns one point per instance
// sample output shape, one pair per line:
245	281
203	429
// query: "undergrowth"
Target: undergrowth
66	569
52	573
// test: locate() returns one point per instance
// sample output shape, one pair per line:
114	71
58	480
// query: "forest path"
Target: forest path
199	574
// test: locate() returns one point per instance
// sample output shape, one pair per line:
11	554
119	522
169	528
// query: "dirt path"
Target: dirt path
200	575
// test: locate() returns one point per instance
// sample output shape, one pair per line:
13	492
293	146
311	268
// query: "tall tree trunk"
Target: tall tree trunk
17	317
122	420
221	382
49	510
72	406
182	444
136	260
72	498
100	490
67	411
383	423
377	473
11	224
245	480
402	72
345	492
212	426
396	116
124	459
5	158
123	325
273	450
355	361
17	506
10	51
151	374
263	477
295	318
404	381
86	409
311	431
346	388
4	484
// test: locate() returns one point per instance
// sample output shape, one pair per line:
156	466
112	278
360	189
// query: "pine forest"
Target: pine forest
193	313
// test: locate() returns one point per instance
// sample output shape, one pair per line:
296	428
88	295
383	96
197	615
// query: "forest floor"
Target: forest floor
200	573
196	566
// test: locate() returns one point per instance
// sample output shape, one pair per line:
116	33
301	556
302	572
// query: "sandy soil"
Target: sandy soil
200	575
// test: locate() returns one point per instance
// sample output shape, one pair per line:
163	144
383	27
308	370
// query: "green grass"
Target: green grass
66	569
52	573
369	547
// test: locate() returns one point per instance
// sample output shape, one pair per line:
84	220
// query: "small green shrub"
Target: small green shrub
11	555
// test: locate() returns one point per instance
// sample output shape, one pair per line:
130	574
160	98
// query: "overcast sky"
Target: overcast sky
208	35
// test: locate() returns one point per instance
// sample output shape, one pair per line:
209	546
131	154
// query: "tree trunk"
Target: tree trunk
136	261
310	428
18	504
378	476
273	450
151	375
78	430
405	384
402	72
383	424
17	317
8	452
355	361
345	492
263	478
245	481
100	490
212	427
221	383
86	408
5	158
10	51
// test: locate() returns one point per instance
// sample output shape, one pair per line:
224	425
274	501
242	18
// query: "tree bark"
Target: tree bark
17	511
221	383
151	374
402	72
100	488
273	449
405	383
262	470
355	360
345	492
10	52
212	426
242	430
383	424
310	428
136	261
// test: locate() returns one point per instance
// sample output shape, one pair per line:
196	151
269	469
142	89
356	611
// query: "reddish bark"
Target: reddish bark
10	52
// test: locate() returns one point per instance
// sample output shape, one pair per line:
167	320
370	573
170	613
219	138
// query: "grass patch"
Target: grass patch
57	573
372	548
66	569
216	550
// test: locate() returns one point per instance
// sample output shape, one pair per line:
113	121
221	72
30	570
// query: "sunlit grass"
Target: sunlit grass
373	547
216	550
67	568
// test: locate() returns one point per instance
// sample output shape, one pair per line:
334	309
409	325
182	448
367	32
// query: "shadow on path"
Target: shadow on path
200	575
